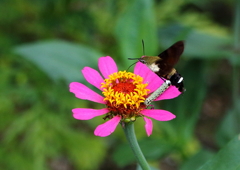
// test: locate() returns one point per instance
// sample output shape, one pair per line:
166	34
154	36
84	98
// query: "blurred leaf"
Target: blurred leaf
206	46
227	158
198	44
197	160
123	155
60	59
152	149
229	127
168	35
155	148
42	139
83	148
11	160
137	23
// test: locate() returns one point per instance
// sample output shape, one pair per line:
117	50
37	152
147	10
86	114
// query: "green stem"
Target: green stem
131	137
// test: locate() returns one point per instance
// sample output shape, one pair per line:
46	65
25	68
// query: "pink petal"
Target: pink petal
107	66
161	115
170	93
148	126
83	92
141	69
86	114
153	80
108	127
92	76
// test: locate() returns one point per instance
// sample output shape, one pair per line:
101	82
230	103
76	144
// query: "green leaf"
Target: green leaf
60	59
229	126
227	158
137	23
197	160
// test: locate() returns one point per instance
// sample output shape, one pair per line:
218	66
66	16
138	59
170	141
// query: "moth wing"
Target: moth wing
171	55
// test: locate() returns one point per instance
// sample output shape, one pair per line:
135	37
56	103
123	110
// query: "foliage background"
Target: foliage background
45	43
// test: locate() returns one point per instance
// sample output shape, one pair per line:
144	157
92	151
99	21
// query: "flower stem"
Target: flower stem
131	137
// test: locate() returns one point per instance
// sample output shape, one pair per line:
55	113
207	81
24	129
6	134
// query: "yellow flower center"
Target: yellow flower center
125	94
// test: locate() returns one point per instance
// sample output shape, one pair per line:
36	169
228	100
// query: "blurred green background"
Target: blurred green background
44	44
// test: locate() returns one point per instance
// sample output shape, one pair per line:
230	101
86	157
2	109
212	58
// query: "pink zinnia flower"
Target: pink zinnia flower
124	94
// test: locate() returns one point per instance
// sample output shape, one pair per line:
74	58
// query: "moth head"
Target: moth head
147	60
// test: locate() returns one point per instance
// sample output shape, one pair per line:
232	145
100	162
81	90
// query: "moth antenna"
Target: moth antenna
131	65
143	47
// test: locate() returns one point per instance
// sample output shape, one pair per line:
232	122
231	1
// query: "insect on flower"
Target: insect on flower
123	94
163	64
